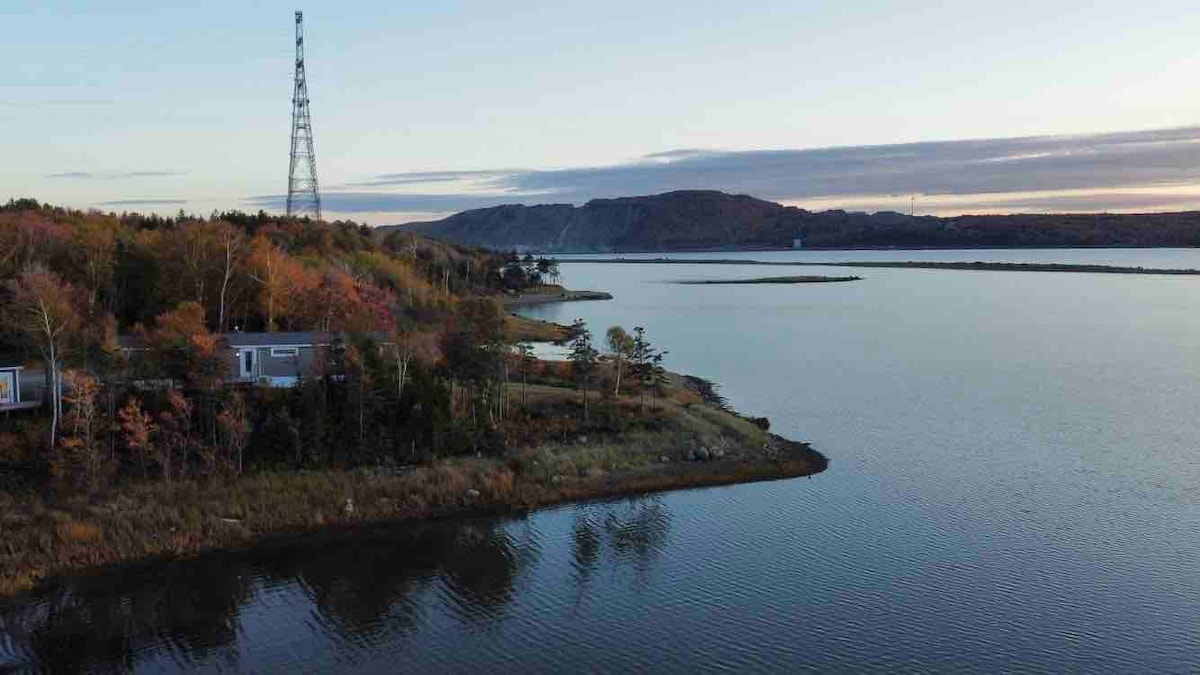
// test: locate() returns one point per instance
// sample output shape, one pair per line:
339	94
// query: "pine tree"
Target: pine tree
584	360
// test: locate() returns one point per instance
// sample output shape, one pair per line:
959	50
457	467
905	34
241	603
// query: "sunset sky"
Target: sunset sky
422	109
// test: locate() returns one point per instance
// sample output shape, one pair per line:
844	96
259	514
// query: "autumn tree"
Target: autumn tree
234	424
620	344
406	345
181	346
174	440
80	453
45	309
91	266
139	430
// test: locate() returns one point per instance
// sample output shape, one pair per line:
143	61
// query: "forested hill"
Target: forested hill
248	272
706	220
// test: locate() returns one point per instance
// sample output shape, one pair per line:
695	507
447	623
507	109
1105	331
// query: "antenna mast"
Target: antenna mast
303	194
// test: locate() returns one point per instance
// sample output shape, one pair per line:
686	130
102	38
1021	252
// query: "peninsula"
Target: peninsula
207	383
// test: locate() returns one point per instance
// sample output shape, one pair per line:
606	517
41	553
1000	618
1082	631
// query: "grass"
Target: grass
44	534
523	329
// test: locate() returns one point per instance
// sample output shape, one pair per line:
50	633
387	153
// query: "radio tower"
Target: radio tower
303	195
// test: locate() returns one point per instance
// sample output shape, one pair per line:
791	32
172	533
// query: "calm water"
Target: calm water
1013	486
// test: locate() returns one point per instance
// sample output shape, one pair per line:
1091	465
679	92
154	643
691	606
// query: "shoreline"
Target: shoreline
808	279
677	445
981	266
563	295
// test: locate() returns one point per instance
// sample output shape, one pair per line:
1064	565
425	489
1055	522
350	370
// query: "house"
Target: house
271	359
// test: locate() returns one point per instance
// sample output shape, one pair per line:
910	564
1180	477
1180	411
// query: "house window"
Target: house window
285	351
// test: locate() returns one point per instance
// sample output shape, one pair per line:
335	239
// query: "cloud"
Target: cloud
1097	163
381	202
420	177
56	103
144	202
115	175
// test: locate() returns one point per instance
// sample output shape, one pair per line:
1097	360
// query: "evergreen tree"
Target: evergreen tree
584	359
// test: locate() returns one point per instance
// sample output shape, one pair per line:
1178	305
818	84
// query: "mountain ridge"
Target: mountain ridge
713	220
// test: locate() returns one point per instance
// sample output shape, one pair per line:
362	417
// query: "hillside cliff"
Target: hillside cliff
707	220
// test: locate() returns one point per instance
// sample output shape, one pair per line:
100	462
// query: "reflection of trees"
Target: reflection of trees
374	581
480	563
365	585
631	531
99	623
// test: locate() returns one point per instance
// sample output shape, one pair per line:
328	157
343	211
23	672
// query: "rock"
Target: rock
664	459
701	454
555	479
719	453
471	496
348	509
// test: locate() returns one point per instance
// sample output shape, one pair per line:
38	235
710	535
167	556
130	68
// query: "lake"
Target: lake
1015	462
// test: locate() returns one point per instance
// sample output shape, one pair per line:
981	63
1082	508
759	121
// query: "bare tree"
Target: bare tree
232	241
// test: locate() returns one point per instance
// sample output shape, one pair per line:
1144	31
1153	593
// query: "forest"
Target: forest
420	355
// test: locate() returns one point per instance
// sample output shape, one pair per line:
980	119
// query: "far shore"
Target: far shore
982	266
810	279
1015	267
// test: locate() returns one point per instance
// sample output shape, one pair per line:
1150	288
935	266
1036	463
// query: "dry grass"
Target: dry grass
523	329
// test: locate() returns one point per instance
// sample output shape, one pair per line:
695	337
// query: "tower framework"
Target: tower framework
304	196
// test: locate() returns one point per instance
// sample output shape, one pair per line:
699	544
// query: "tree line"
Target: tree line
420	365
422	324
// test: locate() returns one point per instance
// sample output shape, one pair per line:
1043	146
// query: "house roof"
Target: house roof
286	339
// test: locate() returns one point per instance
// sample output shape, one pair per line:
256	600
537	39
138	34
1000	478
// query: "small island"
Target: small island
1013	267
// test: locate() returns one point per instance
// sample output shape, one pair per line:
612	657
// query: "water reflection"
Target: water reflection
364	590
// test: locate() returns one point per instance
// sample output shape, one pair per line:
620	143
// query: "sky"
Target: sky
421	109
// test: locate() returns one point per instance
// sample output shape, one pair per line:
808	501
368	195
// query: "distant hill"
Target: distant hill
712	220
